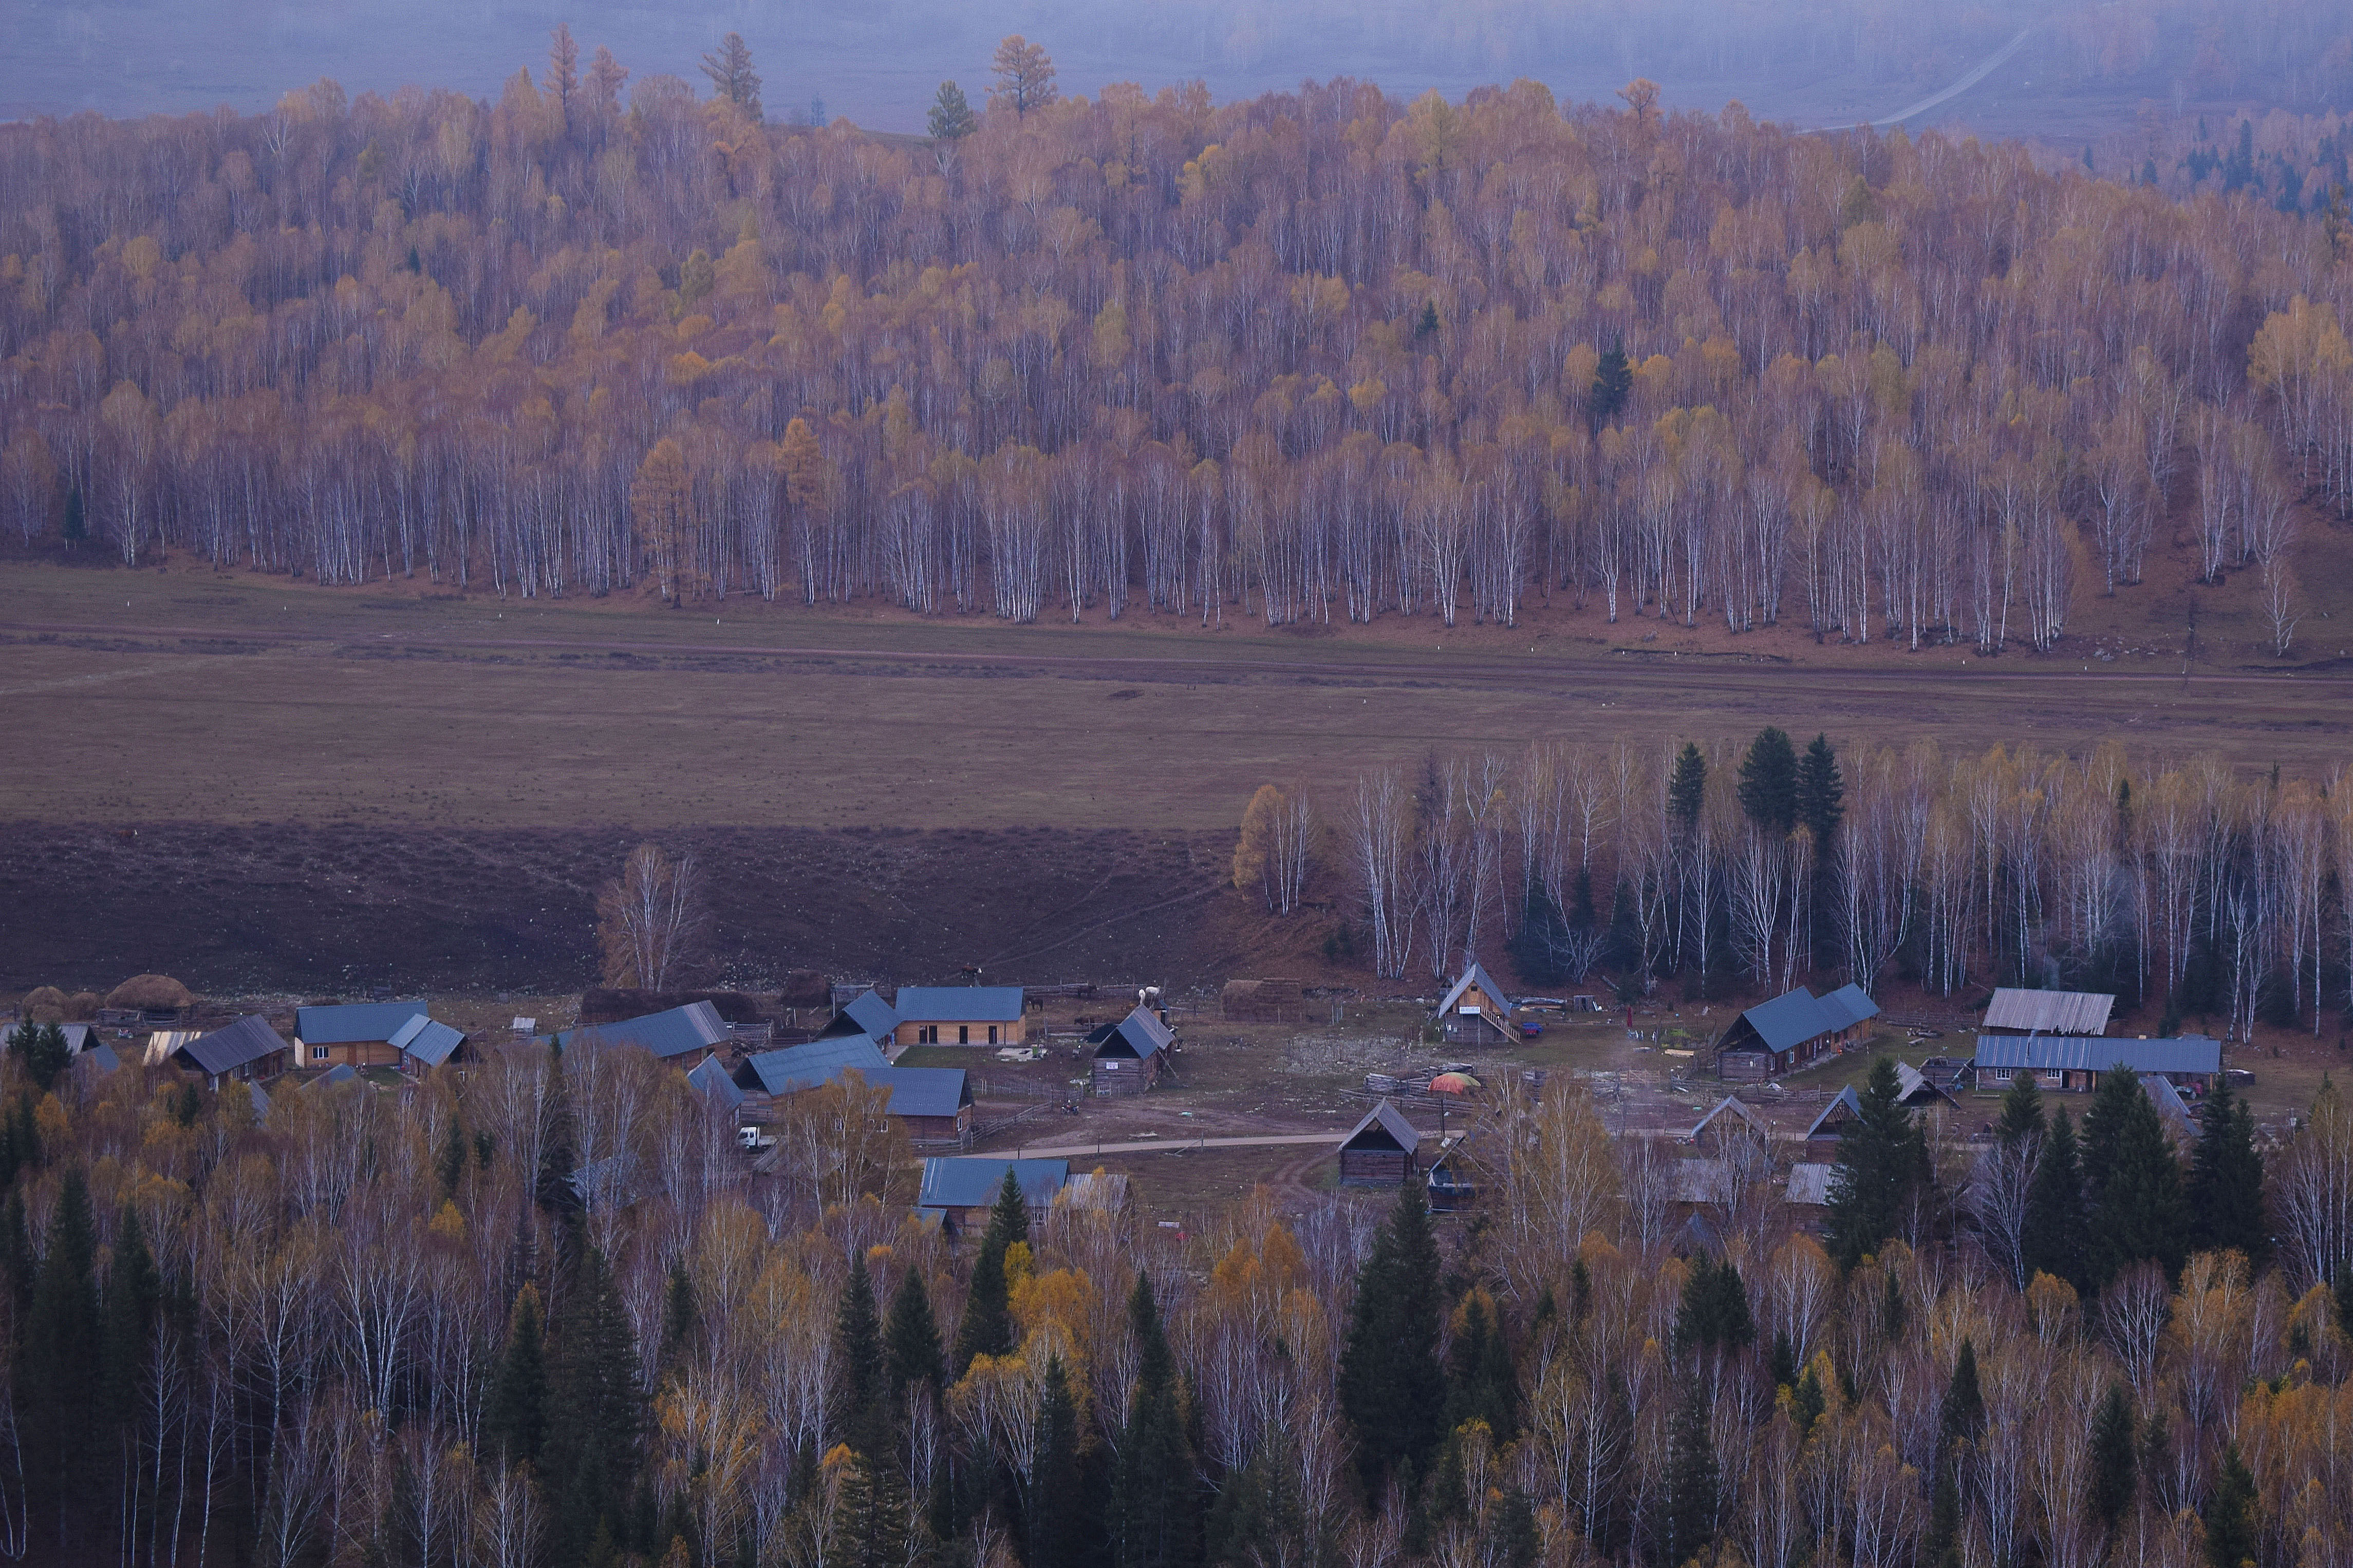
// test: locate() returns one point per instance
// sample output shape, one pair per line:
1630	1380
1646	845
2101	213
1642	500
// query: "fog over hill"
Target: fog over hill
2078	67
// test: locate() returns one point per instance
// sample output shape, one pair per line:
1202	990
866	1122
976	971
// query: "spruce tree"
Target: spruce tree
951	118
862	1419
449	1165
2225	1196
1687	788
58	1363
1768	782
596	1413
1687	1519
2112	1459
987	1327
1883	1166
20	1269
1821	794
2021	1113
1961	1416
134	1288
1055	1504
1481	1383
2054	1240
912	1341
871	1531
2229	1515
41	1051
514	1416
1153	1512
681	1315
2134	1181
1613	380
1391	1389
1517	1541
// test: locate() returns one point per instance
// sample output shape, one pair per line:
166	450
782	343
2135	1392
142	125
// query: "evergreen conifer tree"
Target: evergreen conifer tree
951	118
1687	1518
449	1165
871	1530
18	1269
2113	1457
1055	1505
2021	1113
2225	1196
2053	1240
41	1051
1961	1416
514	1416
1392	1390
1768	782
134	1288
1155	1514
862	1420
1687	787
2229	1515
1481	1383
912	1341
1518	1543
57	1362
1613	380
680	1316
1820	794
596	1413
1882	1165
2134	1181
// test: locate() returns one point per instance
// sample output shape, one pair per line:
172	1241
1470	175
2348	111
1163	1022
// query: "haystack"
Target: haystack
157	991
82	1006
44	1005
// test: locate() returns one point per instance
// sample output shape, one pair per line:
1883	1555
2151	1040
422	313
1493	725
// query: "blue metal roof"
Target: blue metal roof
430	1041
796	1068
971	1181
2097	1053
712	1078
1848	1005
921	1091
102	1059
692	1027
872	1014
1139	1034
1788	1020
352	1023
959	1004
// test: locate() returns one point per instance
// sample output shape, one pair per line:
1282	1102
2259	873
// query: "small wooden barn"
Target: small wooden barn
1822	1139
1131	1055
1475	1010
245	1050
1382	1151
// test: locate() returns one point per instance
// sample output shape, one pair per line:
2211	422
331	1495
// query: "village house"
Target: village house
2017	1010
710	1080
959	1189
1475	1010
959	1015
1129	1055
1728	1120
373	1034
792	1068
1791	1031
1823	1137
246	1050
933	1104
865	1014
683	1035
1381	1151
2074	1063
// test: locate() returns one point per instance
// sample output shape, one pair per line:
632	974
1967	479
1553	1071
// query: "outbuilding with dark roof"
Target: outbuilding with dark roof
244	1050
1791	1031
1131	1055
958	1188
681	1034
1382	1151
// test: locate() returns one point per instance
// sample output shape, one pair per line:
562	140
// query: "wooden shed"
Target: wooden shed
1129	1055
1383	1151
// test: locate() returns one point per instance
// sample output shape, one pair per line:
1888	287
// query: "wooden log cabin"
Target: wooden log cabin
1131	1055
1382	1151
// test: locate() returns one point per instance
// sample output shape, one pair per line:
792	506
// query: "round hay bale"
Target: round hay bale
82	1006
44	1005
150	991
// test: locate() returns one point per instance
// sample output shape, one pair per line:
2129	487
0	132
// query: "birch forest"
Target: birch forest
2224	896
1318	355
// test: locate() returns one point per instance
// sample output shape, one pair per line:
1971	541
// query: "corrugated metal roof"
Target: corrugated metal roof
796	1068
1848	1005
1389	1119
2091	1053
921	1091
1701	1182
959	1004
352	1023
432	1042
692	1027
1810	1182
2171	1106
1139	1034
2049	1011
1731	1104
712	1078
232	1046
1789	1020
1846	1097
1912	1087
971	1181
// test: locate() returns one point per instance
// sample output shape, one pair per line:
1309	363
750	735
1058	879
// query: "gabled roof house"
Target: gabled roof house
1790	1031
1473	1005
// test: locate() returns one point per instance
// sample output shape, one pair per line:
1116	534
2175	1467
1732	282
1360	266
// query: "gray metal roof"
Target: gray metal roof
1731	1103
1792	1018
1912	1087
1383	1120
712	1078
2049	1011
1845	1097
353	1023
1475	974
921	1091
2093	1053
1699	1180
1139	1034
2170	1107
971	1181
100	1057
232	1046
429	1040
959	1004
796	1068
1810	1182
693	1027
